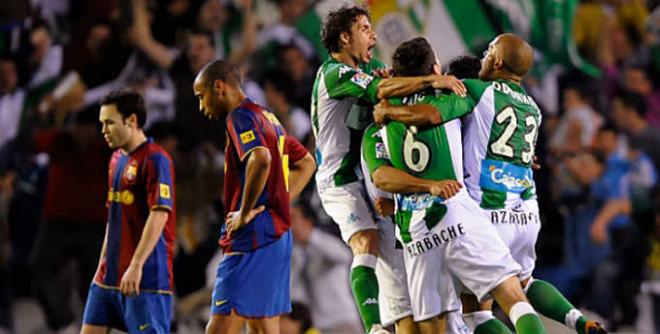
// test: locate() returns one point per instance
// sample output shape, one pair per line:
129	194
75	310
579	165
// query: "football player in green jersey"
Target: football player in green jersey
499	140
346	82
468	244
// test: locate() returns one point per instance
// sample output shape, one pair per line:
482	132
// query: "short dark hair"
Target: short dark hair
338	21
220	70
128	102
413	58
633	101
464	67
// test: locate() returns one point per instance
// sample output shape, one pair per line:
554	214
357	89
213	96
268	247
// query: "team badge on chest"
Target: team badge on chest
130	173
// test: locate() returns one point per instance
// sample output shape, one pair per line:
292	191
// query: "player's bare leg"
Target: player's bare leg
434	325
511	298
225	324
91	329
264	325
407	326
548	301
364	245
479	317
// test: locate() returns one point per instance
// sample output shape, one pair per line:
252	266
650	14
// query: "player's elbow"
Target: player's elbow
308	164
260	158
379	179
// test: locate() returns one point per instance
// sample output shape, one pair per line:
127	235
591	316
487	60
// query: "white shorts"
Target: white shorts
432	288
393	296
519	229
347	206
469	247
455	323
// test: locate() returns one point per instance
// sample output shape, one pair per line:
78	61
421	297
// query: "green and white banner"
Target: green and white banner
456	27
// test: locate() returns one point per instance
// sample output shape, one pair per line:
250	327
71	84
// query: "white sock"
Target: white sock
572	318
366	260
520	309
474	319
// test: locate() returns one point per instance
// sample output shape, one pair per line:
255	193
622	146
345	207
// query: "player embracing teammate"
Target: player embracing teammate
450	234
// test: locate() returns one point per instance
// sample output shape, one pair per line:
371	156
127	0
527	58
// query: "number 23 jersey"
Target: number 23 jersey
499	138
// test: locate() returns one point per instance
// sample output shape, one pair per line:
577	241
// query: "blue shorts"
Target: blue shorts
255	284
144	313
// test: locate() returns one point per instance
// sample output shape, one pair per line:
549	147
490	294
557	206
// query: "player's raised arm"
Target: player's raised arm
402	86
432	110
418	114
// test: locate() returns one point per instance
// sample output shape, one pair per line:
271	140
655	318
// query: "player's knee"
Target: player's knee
508	293
364	242
213	326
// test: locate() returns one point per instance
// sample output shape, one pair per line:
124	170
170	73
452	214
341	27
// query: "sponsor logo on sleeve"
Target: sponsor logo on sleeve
247	136
362	79
165	191
381	151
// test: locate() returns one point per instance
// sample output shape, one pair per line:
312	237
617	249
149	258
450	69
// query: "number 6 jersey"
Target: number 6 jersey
433	153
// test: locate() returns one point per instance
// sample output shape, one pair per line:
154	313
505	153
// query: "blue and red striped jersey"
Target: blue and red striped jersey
248	127
139	182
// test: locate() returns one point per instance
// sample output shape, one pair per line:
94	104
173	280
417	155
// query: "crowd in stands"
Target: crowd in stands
599	150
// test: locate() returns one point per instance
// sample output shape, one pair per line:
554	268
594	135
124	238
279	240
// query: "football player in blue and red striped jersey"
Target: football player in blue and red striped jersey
132	289
252	281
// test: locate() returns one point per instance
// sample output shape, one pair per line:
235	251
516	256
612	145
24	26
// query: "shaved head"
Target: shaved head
516	53
507	55
219	70
218	88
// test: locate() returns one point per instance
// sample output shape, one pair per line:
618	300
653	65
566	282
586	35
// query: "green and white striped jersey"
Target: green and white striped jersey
432	153
499	138
337	89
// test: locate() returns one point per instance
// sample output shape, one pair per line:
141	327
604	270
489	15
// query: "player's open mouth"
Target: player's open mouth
370	50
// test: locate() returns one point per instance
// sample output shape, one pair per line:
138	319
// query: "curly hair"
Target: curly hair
128	102
338	21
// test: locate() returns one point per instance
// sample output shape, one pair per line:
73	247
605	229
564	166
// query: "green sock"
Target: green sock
547	300
580	324
530	323
492	326
365	292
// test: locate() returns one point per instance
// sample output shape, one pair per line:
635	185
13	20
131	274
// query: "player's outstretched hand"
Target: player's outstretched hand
382	72
380	112
450	82
235	221
130	282
445	188
384	206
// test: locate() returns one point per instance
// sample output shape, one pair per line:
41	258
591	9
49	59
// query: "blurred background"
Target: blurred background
596	79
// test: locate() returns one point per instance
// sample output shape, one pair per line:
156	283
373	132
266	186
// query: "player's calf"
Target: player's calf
224	324
550	302
364	283
511	298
